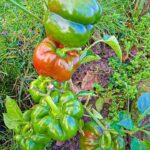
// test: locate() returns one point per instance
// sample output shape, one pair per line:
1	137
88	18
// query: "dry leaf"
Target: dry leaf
89	80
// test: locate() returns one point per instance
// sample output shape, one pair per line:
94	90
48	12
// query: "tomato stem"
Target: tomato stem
87	101
52	105
94	118
66	49
65	85
96	42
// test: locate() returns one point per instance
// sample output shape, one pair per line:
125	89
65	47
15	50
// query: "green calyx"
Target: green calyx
60	119
62	51
41	87
71	22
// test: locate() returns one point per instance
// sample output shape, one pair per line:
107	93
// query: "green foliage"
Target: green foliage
139	145
130	30
144	103
19	34
113	43
125	79
14	116
99	104
87	56
122	127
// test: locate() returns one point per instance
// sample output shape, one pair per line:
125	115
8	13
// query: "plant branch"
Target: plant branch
96	42
52	105
87	101
65	50
94	118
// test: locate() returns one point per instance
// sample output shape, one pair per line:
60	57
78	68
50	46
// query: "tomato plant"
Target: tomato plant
58	112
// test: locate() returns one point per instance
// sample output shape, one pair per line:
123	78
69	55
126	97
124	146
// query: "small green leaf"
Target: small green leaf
145	145
86	93
13	109
124	115
99	104
135	144
97	114
98	87
139	145
117	127
147	111
114	44
121	143
88	56
125	120
144	103
10	121
127	123
106	140
14	116
81	125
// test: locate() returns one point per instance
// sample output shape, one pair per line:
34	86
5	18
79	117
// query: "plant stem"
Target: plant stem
65	50
52	105
126	85
65	85
145	131
87	101
25	10
128	132
94	118
87	116
96	42
62	51
145	126
91	114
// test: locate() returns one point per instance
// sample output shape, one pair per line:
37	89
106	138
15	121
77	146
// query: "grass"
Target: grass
19	34
130	30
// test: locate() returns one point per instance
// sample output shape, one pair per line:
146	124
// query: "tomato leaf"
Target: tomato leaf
81	125
135	144
88	56
144	103
11	122
114	44
98	87
124	115
145	145
117	127
127	123
14	116
86	93
139	145
97	114
121	142
13	109
125	120
99	104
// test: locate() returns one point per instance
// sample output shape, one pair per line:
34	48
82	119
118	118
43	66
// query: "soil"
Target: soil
99	69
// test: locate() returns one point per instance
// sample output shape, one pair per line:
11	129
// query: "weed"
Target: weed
125	79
